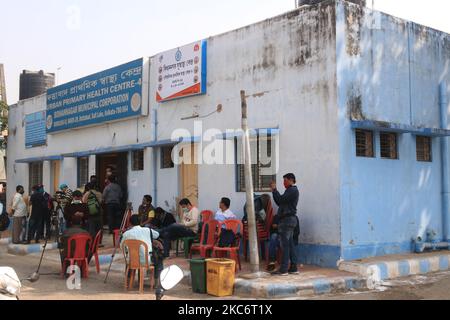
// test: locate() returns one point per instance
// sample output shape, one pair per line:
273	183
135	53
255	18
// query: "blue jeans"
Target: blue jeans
174	232
274	245
286	232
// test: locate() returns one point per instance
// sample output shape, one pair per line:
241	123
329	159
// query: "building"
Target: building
347	98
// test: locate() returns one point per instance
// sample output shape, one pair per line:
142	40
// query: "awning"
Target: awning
39	159
399	128
253	133
132	147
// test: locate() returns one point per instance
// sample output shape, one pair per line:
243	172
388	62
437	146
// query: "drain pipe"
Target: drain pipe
155	155
431	244
443	101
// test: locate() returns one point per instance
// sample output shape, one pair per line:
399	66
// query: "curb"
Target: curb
5	241
380	271
303	289
255	289
22	250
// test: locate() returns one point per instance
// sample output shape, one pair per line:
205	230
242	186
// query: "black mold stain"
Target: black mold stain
354	18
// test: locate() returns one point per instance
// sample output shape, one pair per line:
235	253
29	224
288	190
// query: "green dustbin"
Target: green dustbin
198	275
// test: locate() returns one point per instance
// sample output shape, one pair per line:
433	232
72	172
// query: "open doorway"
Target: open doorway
118	162
188	175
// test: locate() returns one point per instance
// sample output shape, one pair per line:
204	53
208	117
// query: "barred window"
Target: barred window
364	143
137	158
423	149
388	145
35	174
263	163
83	171
166	158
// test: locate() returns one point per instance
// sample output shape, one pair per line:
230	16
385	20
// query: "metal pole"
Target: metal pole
252	235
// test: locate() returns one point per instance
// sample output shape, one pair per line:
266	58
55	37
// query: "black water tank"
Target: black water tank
35	83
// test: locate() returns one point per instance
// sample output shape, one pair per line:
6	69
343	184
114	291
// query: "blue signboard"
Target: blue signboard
35	133
109	95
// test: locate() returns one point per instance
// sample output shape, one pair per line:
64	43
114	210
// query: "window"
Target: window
35	174
166	158
83	171
388	145
423	148
263	163
364	143
137	157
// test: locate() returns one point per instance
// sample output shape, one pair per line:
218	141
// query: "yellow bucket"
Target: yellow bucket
220	277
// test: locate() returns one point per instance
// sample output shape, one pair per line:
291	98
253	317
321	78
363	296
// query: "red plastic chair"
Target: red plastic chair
94	249
237	227
207	215
208	239
79	255
263	232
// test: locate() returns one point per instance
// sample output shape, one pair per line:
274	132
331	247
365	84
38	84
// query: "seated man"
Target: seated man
74	230
163	219
143	234
146	211
187	228
224	212
75	208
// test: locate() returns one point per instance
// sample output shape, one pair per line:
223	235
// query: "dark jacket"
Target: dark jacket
112	194
39	205
287	202
73	208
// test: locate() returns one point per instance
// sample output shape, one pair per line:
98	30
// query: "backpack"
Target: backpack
4	220
93	204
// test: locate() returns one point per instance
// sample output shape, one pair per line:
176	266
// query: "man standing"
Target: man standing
112	196
187	228
19	212
287	213
39	208
93	199
75	208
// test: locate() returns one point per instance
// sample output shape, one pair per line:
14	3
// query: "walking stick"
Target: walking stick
128	212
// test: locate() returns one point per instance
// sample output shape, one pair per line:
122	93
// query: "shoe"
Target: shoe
279	273
271	267
293	270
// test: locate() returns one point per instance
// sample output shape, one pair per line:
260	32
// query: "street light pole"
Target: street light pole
251	218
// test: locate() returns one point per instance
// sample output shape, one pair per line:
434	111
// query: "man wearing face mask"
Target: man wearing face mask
187	228
287	215
19	212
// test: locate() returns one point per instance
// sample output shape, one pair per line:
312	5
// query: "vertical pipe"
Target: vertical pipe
251	218
443	101
155	156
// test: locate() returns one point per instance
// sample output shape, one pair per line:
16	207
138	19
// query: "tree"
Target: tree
3	124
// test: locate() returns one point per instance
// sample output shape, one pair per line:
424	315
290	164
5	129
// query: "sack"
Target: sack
93	204
4	222
227	239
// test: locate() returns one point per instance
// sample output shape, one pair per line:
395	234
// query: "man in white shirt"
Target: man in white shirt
224	212
186	229
143	234
19	213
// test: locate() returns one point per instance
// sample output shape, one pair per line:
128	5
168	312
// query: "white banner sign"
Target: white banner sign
182	72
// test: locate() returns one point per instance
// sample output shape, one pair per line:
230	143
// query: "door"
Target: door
189	175
56	169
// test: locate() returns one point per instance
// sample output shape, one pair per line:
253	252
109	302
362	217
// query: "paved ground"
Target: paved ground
431	287
52	286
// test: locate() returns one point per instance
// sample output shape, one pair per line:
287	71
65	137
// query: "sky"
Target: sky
76	38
